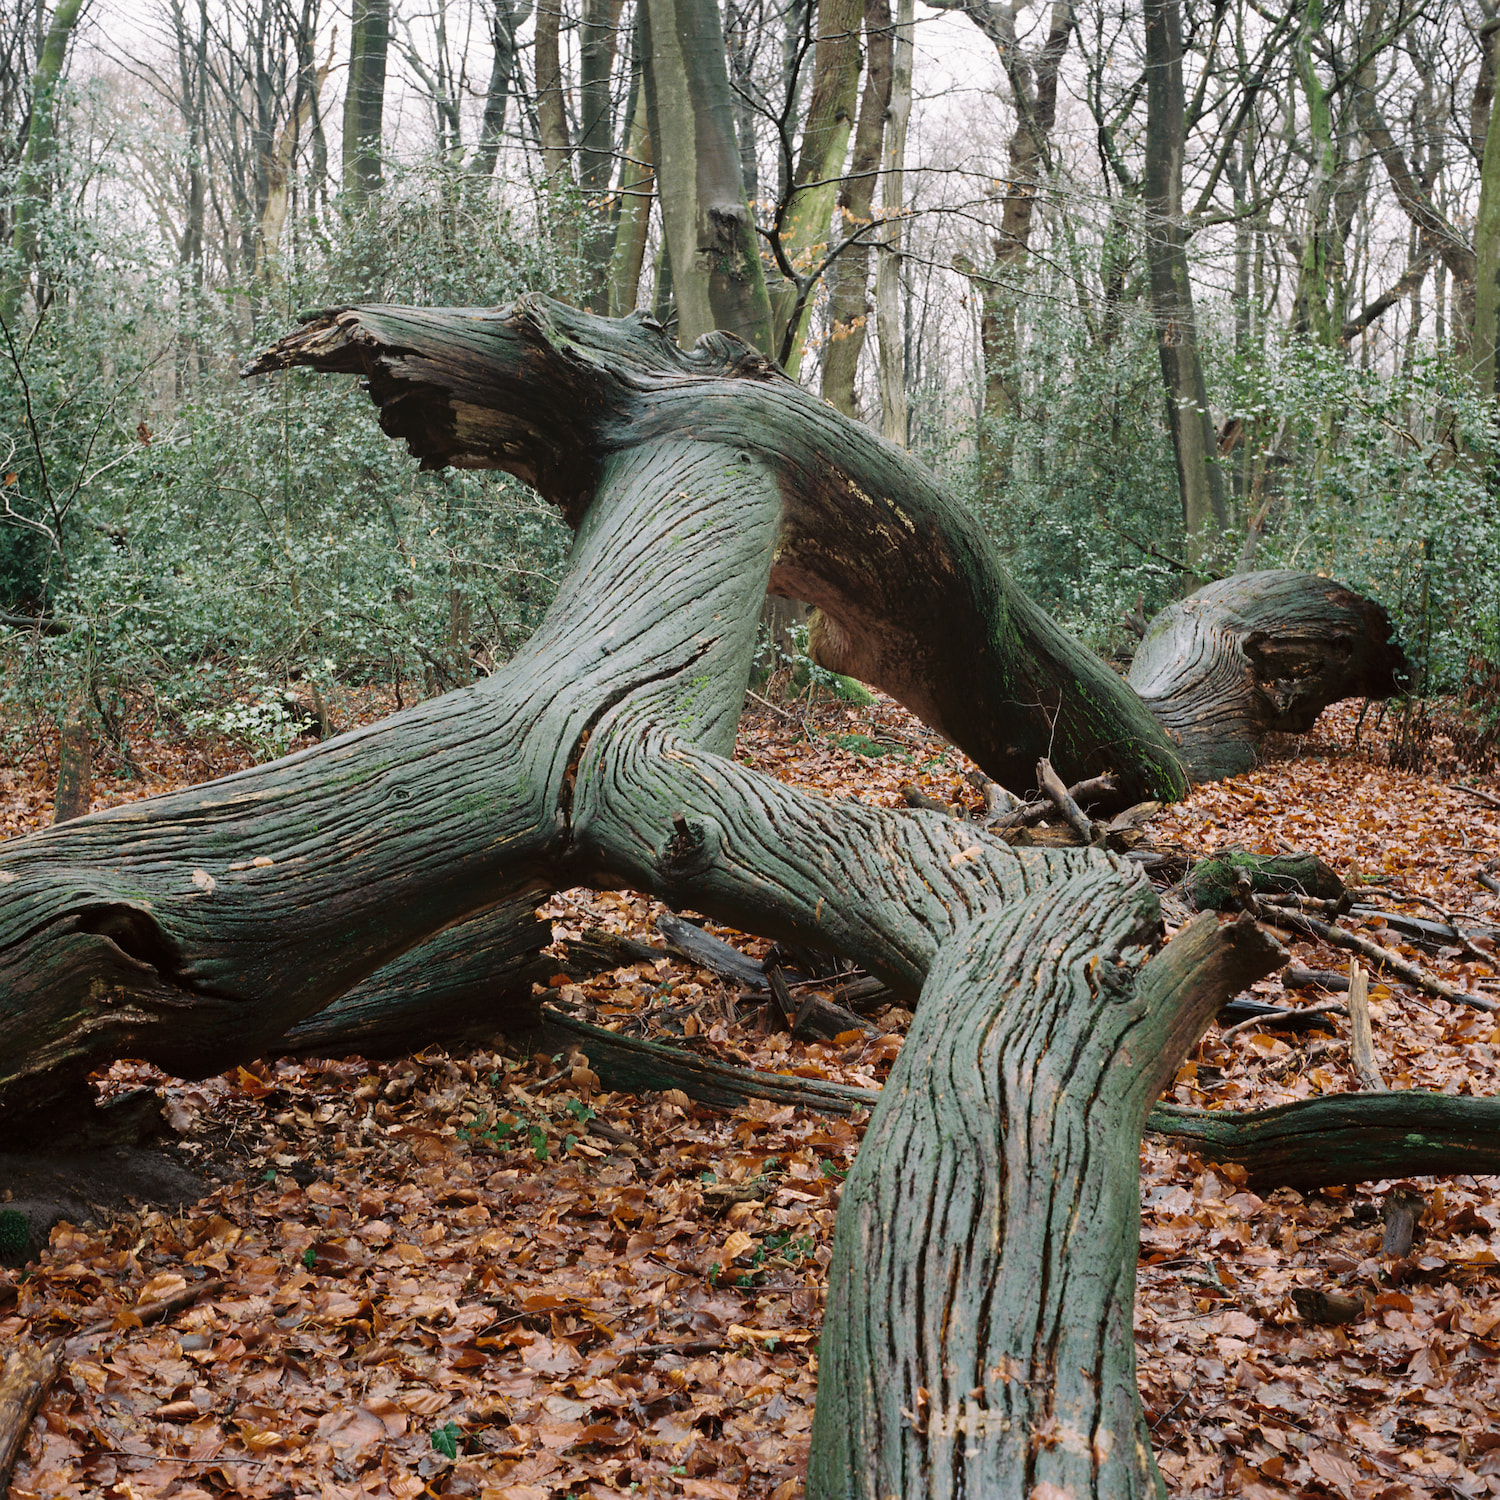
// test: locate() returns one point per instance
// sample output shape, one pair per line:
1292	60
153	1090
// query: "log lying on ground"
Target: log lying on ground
27	1371
633	1065
1344	1138
195	930
468	984
1339	1140
1261	652
1214	883
978	1339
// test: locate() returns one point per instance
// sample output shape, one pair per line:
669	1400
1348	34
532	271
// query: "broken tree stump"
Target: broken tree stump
1257	653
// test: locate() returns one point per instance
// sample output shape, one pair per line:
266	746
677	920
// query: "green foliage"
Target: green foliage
1386	482
445	1439
15	1236
203	541
1079	488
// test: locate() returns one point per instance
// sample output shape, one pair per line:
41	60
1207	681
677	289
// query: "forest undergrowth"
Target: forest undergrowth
484	1274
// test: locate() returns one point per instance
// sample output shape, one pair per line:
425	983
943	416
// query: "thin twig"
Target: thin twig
1414	974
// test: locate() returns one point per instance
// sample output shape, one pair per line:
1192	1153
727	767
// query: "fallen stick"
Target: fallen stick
154	1311
1282	1019
26	1375
1073	815
1474	791
1362	1046
1414	974
1296	977
631	1064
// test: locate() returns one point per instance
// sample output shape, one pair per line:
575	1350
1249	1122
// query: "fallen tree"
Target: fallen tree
1257	653
202	928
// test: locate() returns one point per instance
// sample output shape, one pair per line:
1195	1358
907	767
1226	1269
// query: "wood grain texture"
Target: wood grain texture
978	1339
1261	652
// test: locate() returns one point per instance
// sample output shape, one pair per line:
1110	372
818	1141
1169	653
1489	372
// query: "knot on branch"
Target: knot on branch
689	851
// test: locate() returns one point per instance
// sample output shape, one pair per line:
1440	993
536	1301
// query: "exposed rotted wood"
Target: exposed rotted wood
709	952
1259	652
26	1375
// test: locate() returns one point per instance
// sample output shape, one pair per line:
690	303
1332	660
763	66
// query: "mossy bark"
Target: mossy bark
1344	1138
198	929
1215	883
979	1339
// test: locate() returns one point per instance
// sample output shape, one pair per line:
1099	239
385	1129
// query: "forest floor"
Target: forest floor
481	1274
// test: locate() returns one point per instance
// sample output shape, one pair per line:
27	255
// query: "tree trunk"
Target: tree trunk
32	183
632	225
198	928
1202	488
888	322
504	19
551	97
1486	333
979	1333
1258	653
364	99
998	287
711	242
465	985
803	218
390	872
849	307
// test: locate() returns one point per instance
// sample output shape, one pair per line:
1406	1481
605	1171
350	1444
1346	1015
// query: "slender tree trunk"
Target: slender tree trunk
1204	516
637	189
888	321
34	180
803	219
849	307
716	272
1487	248
364	99
504	19
1320	274
596	143
551	96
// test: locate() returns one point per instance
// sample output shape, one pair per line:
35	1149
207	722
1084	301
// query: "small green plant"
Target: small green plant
309	1257
871	749
445	1439
262	723
15	1236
